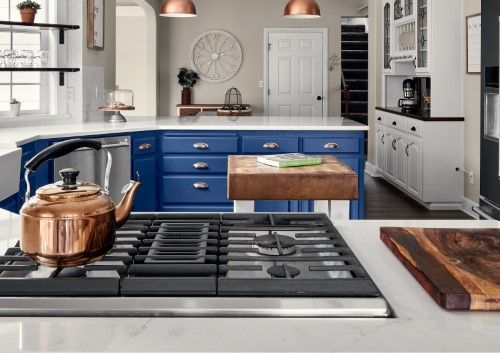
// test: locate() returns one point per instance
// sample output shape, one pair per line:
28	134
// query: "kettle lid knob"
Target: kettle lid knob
68	176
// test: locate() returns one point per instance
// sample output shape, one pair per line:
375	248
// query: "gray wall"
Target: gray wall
472	108
102	58
246	20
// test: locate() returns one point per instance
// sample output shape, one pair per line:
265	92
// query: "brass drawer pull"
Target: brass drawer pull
200	165
331	145
200	146
200	185
144	146
271	145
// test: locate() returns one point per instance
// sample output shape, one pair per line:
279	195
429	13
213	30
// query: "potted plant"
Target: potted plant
15	107
28	9
187	79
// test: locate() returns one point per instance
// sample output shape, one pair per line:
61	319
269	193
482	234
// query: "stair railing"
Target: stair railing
347	94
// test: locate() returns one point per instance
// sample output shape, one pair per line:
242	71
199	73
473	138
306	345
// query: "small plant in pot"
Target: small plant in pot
187	79
15	107
28	9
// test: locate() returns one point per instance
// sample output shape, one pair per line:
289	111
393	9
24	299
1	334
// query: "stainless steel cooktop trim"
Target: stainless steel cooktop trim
195	307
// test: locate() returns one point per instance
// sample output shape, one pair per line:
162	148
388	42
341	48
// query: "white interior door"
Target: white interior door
295	74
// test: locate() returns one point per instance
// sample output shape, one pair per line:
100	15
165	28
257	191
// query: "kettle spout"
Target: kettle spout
124	208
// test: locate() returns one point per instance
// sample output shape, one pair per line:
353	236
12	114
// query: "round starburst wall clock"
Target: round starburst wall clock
216	55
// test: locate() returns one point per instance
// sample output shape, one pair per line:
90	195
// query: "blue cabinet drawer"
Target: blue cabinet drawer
331	145
146	145
193	189
200	144
194	165
261	145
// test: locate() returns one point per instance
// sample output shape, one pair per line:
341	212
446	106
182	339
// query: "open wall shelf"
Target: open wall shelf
46	69
35	26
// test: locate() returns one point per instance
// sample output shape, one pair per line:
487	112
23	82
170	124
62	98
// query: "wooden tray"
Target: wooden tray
459	268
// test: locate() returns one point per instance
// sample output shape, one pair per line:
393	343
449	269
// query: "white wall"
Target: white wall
246	20
131	55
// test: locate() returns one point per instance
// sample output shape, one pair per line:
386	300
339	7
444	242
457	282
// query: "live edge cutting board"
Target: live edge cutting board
459	268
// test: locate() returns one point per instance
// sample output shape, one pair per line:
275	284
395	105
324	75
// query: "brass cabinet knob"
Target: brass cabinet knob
271	145
144	146
331	145
200	146
200	185
200	165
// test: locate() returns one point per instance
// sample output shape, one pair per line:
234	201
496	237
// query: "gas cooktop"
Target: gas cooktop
207	264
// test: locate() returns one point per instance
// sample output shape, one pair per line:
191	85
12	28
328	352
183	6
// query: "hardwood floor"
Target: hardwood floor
384	201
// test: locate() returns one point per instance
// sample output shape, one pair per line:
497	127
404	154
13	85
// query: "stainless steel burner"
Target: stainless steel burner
275	244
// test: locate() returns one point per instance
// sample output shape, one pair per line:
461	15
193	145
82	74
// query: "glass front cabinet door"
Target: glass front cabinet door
387	37
422	59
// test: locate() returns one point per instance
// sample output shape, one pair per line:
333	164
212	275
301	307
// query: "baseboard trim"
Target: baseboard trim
467	207
371	170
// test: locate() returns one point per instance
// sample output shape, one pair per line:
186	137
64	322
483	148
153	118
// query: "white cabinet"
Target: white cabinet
400	158
421	158
380	146
390	154
426	41
413	152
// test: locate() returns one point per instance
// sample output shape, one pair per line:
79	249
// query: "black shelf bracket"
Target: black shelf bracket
61	36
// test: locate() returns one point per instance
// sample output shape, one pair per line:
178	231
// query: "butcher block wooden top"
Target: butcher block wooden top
459	268
249	180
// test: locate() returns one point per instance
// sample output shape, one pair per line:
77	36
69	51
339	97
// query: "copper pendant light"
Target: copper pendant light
302	9
177	8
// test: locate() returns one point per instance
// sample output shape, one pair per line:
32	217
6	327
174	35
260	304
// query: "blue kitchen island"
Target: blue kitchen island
172	154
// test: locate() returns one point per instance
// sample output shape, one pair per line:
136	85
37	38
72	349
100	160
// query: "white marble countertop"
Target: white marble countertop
12	137
420	324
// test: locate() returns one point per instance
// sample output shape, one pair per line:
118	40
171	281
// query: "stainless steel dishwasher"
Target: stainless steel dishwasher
92	164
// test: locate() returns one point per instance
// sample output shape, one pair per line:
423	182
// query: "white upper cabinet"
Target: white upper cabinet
422	39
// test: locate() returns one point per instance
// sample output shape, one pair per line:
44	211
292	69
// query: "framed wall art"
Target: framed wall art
95	24
473	43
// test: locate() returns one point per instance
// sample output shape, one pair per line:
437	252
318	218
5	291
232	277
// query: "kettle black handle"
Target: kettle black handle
59	150
399	102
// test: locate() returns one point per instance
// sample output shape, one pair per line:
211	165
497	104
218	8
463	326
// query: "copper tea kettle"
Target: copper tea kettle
72	222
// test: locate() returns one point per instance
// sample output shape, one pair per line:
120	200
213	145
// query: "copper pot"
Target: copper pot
72	222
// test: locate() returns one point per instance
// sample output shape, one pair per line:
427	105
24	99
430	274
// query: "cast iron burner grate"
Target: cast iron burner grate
205	255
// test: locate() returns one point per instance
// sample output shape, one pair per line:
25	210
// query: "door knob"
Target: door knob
319	98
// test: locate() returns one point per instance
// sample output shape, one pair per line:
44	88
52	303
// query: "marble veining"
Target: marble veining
420	324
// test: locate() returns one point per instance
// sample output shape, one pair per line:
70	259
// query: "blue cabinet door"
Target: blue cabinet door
145	162
146	196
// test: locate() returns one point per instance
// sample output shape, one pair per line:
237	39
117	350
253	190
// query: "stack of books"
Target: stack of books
289	160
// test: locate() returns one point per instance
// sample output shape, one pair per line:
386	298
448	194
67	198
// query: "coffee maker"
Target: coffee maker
409	102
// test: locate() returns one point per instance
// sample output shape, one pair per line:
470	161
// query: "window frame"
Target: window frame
45	83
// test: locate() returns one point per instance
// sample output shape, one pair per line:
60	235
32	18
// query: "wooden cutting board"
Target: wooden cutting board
459	268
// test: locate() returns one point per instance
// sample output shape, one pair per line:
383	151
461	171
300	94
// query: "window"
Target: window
28	87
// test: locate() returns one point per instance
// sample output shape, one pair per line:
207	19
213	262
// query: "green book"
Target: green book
289	160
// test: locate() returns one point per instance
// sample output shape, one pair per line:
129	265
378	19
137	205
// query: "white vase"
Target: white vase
15	109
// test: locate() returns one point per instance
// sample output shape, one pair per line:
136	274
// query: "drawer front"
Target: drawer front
262	145
181	189
146	145
396	122
415	127
189	111
194	165
211	144
331	145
